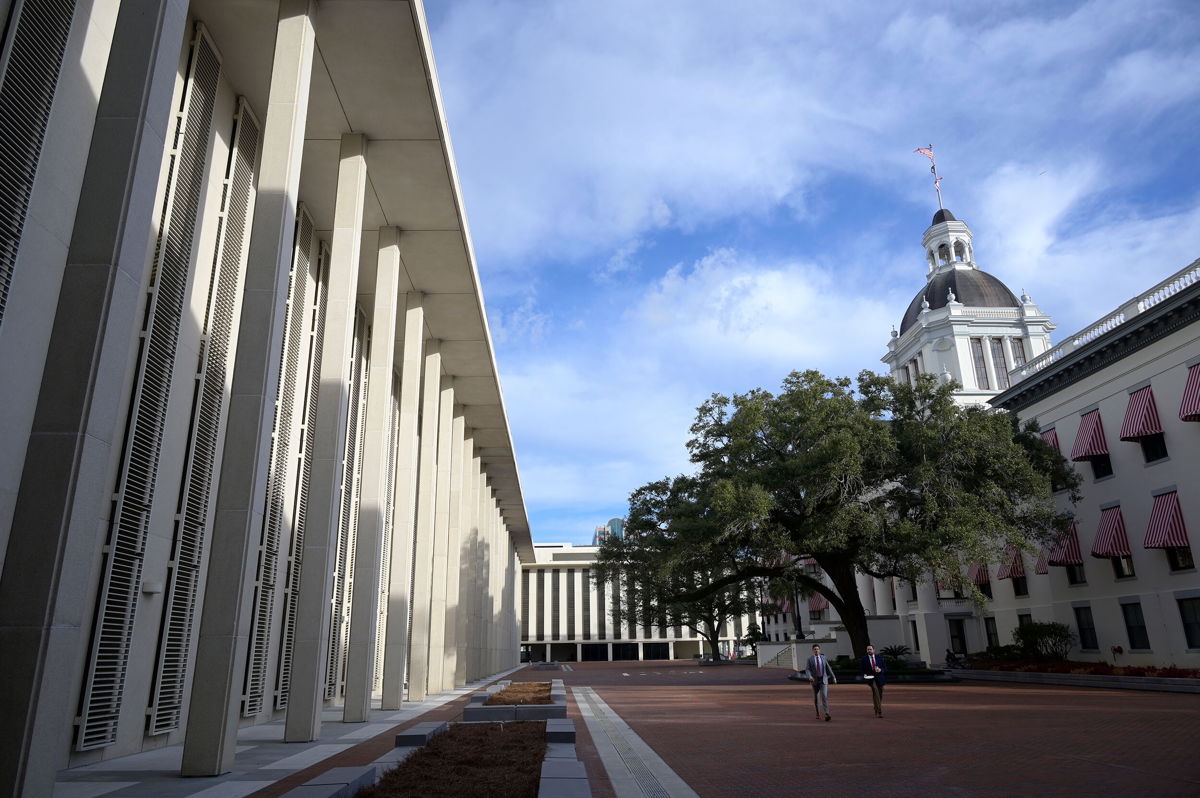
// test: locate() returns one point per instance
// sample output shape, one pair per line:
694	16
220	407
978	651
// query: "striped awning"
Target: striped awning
1141	416
1066	551
1189	408
1043	564
1089	442
1166	529
1050	436
978	574
1013	564
817	602
1111	540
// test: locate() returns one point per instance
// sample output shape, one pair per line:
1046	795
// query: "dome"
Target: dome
971	287
943	215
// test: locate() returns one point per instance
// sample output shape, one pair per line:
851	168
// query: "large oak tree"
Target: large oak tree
888	480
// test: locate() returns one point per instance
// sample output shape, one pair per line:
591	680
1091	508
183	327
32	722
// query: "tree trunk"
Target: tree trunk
713	637
852	614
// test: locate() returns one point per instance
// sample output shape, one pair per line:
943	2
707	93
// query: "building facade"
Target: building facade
566	616
256	459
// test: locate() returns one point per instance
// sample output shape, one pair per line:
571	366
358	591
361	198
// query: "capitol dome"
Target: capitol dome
972	287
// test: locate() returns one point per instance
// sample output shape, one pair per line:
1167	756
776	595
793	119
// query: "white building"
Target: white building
567	617
256	461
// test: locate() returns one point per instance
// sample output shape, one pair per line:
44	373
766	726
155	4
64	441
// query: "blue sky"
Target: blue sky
671	199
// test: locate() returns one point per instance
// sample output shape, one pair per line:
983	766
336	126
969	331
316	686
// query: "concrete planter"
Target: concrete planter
1153	683
477	712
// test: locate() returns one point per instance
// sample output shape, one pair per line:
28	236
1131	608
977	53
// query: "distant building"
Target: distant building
614	528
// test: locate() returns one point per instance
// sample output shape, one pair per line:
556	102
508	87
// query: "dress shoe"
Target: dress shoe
827	717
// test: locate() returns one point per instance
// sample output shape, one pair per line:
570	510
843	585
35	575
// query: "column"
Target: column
866	592
222	642
441	535
372	523
422	570
404	503
453	552
313	610
55	534
466	523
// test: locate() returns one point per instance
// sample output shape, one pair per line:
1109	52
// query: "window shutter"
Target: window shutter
30	63
317	280
208	415
104	683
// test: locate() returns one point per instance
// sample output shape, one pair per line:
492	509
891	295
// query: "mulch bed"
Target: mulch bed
476	760
521	693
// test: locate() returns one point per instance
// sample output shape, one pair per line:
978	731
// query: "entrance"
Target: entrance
625	651
958	635
656	651
595	652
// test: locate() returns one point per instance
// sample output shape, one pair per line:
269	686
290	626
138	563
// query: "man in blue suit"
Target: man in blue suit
822	676
874	673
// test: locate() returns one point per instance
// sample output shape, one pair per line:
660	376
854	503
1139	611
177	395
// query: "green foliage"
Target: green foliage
889	479
1049	640
752	637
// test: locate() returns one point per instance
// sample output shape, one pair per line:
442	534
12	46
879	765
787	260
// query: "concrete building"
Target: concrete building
256	461
567	617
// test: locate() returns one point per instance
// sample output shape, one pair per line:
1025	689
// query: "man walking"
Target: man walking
821	676
874	673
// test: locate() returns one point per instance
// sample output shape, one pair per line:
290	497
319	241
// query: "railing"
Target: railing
1185	277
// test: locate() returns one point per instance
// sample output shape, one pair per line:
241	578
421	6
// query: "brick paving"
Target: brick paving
736	730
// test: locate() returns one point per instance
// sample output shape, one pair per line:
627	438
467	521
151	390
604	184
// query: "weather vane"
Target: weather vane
937	181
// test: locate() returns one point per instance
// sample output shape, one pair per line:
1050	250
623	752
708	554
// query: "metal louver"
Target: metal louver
30	62
278	508
207	419
343	577
104	681
318	281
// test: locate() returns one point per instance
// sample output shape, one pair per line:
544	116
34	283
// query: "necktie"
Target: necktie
820	666
872	662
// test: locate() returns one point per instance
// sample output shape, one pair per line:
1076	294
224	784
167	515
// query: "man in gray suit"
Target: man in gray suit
822	676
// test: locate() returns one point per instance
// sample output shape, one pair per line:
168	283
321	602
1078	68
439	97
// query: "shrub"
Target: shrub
1048	640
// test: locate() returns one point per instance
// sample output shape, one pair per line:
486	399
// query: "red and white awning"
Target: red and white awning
1111	540
1050	436
1043	564
1189	408
1066	551
1141	416
1089	442
1166	529
978	574
817	602
1013	564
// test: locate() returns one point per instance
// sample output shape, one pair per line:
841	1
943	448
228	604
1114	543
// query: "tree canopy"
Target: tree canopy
889	480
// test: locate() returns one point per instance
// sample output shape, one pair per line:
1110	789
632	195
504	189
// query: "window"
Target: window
1087	628
1122	567
958	635
1076	575
986	589
1135	625
1180	558
1018	352
1024	619
912	591
916	639
1154	447
989	627
1189	613
1101	466
1020	586
981	377
1000	363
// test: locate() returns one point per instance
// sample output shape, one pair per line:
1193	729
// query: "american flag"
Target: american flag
926	151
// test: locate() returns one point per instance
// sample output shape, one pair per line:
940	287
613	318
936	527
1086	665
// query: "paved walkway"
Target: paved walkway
679	730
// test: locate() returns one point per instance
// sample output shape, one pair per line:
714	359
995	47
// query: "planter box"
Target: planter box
476	711
1152	683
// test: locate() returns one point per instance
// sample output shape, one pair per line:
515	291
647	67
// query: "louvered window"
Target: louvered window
104	683
586	597
30	62
207	419
310	349
388	526
343	577
524	605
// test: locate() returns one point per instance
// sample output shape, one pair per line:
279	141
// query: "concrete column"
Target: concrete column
222	643
313	608
466	523
404	504
441	536
610	659
497	562
65	483
422	572
481	553
671	649
372	521
866	592
453	552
